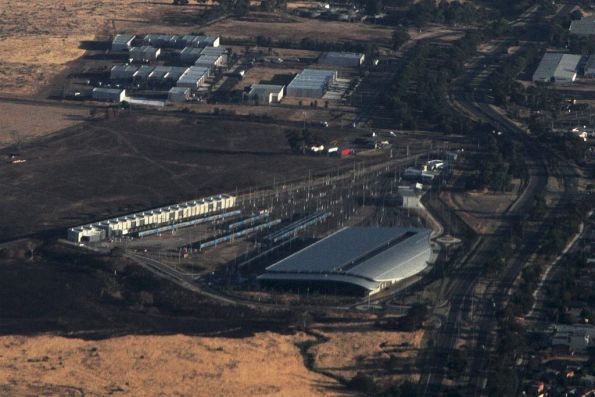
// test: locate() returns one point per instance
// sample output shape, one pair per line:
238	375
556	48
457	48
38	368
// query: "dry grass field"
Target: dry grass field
349	352
22	122
38	38
134	162
266	364
296	28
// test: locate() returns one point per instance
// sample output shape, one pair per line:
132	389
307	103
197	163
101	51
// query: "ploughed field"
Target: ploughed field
113	167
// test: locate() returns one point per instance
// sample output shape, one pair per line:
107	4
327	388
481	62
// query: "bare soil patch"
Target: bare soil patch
135	162
296	28
24	122
388	354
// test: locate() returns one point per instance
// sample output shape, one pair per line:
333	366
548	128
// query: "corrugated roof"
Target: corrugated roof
557	66
192	75
583	27
123	38
312	78
371	255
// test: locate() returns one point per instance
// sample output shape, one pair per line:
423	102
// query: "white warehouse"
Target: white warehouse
311	83
150	219
557	68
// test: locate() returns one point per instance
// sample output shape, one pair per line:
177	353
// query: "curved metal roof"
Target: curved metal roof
363	256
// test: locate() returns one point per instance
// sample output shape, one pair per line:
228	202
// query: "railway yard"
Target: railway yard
172	180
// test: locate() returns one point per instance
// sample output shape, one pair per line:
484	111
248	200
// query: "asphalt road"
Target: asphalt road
475	318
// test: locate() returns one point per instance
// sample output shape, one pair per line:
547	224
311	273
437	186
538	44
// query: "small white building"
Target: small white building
178	94
409	196
144	54
266	93
557	68
345	59
108	94
122	42
193	77
209	61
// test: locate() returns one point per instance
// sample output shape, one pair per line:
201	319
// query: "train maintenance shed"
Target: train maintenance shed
354	260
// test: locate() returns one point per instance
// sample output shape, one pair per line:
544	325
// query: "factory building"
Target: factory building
161	40
177	41
311	83
583	27
123	72
130	225
143	73
178	94
189	55
209	61
193	77
122	42
361	260
557	68
341	59
143	54
266	94
108	94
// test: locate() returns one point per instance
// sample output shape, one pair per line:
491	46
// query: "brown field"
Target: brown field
22	122
481	210
39	38
347	353
296	28
135	162
95	325
265	364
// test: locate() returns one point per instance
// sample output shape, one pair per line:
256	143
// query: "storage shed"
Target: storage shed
344	59
108	94
311	83
266	93
144	54
123	72
193	77
122	42
178	94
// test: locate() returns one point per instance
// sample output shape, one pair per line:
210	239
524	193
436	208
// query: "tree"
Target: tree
363	383
399	37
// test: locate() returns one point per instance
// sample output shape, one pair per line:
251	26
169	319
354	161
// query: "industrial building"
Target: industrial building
209	61
193	77
589	70
266	94
144	54
131	225
122	42
122	72
557	68
361	260
411	199
178	94
177	41
143	73
189	55
583	27
311	83
344	59
108	94
161	40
